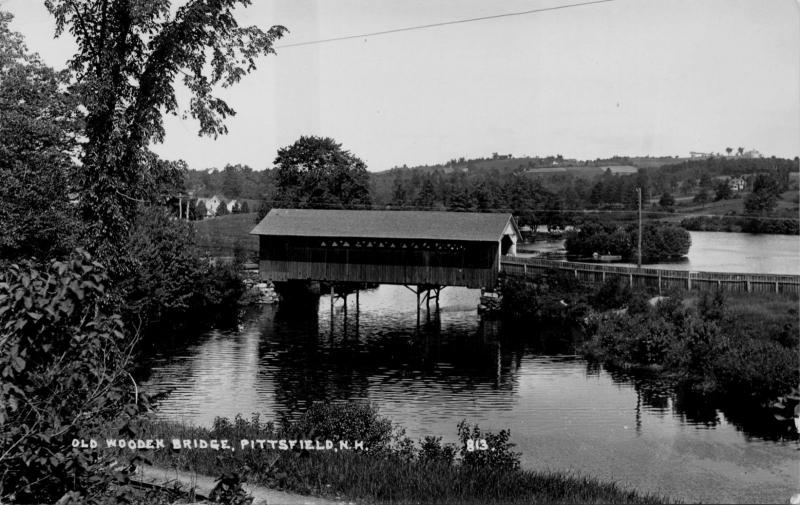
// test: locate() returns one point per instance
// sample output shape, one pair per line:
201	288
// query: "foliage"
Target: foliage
38	123
498	457
129	54
346	421
428	476
746	224
659	241
723	191
667	200
433	451
222	209
764	198
315	172
712	348
614	293
547	296
165	279
63	360
229	490
702	197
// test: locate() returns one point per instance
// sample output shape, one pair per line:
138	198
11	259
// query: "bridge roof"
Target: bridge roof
385	224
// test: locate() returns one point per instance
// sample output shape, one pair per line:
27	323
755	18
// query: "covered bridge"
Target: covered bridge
386	247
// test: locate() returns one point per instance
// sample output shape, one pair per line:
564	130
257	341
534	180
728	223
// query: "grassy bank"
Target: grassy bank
393	469
227	235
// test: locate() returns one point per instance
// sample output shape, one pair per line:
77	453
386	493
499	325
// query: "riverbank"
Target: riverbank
737	224
390	469
716	343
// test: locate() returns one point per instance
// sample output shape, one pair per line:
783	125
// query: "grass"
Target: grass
393	474
220	236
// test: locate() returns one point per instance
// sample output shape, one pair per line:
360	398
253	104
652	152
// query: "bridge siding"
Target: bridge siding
382	274
593	273
472	264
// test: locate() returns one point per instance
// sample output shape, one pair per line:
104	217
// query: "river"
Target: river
718	252
564	414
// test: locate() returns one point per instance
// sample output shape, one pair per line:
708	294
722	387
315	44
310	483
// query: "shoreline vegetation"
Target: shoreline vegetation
393	469
711	343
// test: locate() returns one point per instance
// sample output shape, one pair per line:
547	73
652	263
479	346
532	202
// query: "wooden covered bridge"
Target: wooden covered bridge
424	251
385	247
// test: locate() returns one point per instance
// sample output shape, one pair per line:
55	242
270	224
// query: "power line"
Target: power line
443	23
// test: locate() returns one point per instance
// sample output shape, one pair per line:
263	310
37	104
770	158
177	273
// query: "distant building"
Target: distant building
737	184
211	203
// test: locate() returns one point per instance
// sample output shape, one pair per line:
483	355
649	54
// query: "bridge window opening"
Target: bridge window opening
505	245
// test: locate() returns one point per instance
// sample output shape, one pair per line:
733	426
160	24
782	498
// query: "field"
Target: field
787	207
221	236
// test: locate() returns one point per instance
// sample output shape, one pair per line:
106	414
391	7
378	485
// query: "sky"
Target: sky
624	77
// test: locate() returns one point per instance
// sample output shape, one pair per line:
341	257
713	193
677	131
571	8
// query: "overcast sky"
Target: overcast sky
627	77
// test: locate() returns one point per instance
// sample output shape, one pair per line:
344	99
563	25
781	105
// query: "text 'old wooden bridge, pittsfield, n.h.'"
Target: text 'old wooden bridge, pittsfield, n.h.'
427	251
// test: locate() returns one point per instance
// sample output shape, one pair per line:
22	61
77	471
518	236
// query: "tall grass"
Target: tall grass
394	471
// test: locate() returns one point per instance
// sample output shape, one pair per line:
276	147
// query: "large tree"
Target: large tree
315	172
38	125
130	53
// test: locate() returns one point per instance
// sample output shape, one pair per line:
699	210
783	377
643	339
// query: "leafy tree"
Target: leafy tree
723	191
222	209
729	150
244	208
38	124
232	176
129	55
201	211
168	281
764	197
426	198
667	200
701	197
400	192
315	172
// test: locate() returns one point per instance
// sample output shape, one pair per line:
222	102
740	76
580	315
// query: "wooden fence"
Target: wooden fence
656	279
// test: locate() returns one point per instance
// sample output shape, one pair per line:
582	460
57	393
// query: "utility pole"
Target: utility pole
639	235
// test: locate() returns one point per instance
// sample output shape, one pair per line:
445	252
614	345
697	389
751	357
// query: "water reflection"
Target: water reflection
564	412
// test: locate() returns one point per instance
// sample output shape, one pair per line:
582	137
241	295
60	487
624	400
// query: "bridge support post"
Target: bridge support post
333	295
417	307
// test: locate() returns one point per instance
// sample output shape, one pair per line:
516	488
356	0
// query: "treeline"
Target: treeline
232	181
742	224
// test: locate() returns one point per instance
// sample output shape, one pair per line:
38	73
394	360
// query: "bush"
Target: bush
166	281
614	293
499	455
348	421
64	363
433	451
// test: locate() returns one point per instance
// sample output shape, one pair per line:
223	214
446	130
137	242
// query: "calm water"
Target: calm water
725	252
564	414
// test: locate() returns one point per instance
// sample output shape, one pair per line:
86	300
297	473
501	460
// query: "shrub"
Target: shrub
433	451
348	421
757	368
613	294
166	281
499	455
64	363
